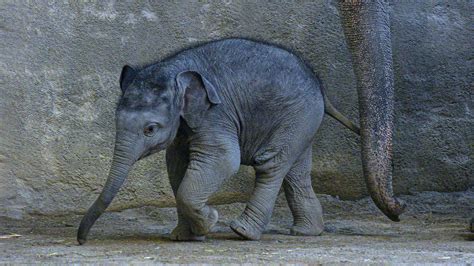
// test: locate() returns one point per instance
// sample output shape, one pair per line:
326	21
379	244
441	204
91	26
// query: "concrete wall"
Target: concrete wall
59	70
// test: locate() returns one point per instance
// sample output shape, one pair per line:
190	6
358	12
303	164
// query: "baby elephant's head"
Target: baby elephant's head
147	116
153	104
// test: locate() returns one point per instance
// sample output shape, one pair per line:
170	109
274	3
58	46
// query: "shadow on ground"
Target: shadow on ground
434	230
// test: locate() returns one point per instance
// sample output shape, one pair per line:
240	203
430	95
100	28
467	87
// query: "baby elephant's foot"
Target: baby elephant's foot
204	224
183	233
307	229
245	229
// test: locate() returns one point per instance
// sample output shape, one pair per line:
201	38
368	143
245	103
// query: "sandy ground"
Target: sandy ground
434	230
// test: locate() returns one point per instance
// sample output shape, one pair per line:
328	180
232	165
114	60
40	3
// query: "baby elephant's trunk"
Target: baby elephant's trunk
121	164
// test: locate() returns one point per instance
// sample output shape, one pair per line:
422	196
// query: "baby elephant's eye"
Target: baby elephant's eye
150	129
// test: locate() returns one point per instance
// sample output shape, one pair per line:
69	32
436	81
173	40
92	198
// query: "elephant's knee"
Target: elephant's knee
188	203
230	163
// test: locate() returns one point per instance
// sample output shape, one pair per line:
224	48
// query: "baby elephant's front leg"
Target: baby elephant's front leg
203	177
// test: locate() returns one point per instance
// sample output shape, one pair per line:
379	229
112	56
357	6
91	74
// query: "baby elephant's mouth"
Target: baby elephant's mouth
146	154
159	147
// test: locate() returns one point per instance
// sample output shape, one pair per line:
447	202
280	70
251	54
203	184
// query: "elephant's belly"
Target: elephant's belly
274	130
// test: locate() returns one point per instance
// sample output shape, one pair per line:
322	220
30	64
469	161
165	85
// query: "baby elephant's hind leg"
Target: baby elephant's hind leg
259	208
305	207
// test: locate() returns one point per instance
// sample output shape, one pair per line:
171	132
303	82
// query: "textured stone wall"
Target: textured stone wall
59	70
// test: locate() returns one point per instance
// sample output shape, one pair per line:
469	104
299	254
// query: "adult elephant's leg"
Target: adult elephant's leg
258	211
177	159
211	161
305	207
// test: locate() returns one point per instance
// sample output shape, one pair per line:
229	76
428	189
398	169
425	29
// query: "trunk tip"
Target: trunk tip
82	233
81	241
395	210
394	218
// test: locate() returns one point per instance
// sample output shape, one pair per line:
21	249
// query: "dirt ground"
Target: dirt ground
434	230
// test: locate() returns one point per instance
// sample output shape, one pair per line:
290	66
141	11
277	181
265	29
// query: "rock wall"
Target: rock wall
59	70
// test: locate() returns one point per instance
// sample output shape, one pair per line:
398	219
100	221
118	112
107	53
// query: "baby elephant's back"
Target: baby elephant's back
266	75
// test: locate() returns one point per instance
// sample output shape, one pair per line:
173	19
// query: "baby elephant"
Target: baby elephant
213	108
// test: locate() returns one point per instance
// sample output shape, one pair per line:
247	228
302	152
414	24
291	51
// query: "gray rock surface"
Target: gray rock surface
59	69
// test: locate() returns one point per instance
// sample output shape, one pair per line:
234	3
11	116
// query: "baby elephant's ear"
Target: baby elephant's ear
196	83
127	76
198	94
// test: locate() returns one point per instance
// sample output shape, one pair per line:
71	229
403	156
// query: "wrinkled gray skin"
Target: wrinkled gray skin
237	102
213	108
366	26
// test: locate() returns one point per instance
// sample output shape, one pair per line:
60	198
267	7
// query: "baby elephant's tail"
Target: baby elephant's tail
334	113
